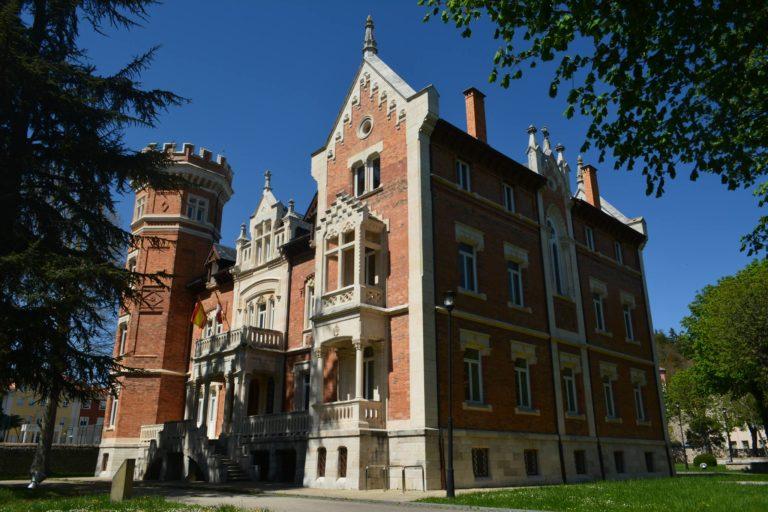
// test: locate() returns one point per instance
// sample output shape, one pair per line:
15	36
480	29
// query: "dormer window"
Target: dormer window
367	176
262	240
197	208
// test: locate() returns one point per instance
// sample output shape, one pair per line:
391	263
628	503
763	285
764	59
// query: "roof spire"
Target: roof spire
579	175
369	45
267	181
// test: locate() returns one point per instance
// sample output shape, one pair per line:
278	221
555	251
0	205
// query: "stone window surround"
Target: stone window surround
600	288
520	256
572	362
474	237
363	158
200	203
611	372
526	351
638	378
482	343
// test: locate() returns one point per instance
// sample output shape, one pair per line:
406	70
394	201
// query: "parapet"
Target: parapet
204	158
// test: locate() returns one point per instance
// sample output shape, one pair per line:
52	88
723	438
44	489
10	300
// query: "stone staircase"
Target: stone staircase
231	469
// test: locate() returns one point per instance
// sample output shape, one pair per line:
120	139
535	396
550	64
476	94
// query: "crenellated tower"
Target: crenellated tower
177	229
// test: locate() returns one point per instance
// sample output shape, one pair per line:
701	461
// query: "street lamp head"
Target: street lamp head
448	300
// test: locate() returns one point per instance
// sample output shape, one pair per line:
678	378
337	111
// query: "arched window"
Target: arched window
555	257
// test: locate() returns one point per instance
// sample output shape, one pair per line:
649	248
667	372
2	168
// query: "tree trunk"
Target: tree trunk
41	462
753	433
762	409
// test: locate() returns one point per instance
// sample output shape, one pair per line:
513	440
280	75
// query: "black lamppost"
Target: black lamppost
448	301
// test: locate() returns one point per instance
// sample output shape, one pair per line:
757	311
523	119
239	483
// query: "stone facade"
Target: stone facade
324	356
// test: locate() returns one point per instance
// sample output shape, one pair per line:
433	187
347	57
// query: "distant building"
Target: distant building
76	422
321	358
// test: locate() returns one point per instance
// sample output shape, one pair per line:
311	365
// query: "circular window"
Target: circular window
366	125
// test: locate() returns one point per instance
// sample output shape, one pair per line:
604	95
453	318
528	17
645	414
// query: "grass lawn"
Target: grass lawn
715	493
42	500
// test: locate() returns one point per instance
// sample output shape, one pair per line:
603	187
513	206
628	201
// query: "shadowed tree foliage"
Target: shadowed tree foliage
668	86
63	160
727	333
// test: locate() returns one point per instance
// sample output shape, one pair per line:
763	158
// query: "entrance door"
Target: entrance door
212	410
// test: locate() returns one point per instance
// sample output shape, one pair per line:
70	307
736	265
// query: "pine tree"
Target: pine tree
63	162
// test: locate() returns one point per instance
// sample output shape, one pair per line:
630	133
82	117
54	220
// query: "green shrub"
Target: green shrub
706	458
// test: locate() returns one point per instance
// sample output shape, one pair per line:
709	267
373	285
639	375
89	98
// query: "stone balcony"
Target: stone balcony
350	297
288	424
351	414
253	337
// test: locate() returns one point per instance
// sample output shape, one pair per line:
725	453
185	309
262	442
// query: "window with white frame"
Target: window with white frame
139	210
589	236
463	177
556	261
627	308
261	315
309	302
122	337
522	383
515	283
340	261
637	390
262	242
571	395
467	267
197	208
610	404
113	411
367	176
509	197
618	249
473	375
599	306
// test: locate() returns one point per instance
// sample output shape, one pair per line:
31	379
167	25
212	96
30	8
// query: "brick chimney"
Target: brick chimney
475	101
591	190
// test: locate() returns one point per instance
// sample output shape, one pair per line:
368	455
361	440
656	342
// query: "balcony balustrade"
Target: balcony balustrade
254	337
351	296
290	424
358	413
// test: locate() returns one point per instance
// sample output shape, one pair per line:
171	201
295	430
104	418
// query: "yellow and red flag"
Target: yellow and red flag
198	315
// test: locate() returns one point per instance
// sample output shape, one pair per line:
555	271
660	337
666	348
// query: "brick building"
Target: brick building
324	357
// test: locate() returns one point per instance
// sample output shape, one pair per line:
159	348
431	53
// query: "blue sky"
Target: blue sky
266	81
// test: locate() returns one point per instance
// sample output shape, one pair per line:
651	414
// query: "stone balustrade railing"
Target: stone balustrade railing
150	433
352	414
254	337
291	424
353	296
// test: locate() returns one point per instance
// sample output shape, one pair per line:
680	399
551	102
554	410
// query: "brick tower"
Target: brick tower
154	335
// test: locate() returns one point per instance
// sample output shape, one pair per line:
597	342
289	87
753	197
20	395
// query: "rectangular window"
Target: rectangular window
650	465
463	175
619	252
473	389
618	461
375	173
113	412
467	267
359	173
628	322
83	422
509	197
122	338
371	277
597	301
531	458
348	267
515	281
610	405
480	466
197	208
139	212
261	320
320	462
342	463
639	404
369	373
580	461
523	383
571	400
589	235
